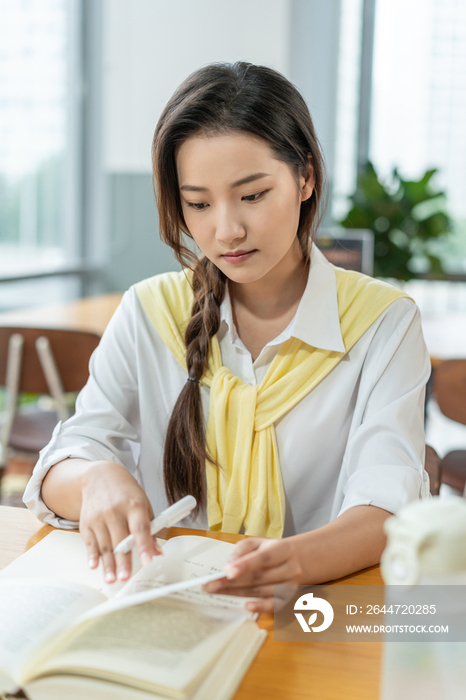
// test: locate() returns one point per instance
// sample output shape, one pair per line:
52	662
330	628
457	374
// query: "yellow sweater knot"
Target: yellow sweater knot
246	491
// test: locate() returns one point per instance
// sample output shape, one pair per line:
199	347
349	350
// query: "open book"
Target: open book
63	633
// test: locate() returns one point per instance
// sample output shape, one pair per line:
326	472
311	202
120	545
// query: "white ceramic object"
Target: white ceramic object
426	546
426	543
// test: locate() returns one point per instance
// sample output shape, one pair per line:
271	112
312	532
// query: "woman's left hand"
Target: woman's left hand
255	567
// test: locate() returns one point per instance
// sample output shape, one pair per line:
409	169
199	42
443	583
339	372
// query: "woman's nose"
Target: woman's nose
229	229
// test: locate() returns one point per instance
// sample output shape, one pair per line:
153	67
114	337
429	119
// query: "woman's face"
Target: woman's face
240	204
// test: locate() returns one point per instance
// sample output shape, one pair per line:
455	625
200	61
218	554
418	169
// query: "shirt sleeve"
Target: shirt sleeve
106	423
383	463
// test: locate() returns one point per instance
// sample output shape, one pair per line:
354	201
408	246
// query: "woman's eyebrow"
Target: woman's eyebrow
243	181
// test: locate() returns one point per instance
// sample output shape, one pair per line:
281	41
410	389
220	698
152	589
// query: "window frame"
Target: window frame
83	234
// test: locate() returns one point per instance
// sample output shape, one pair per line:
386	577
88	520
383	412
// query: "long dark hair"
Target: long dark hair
217	99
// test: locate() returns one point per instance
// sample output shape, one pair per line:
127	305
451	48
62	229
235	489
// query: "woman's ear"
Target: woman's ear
307	182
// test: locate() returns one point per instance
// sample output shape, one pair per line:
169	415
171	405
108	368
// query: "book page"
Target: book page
230	668
65	687
200	552
187	558
144	596
64	554
30	611
163	643
220	683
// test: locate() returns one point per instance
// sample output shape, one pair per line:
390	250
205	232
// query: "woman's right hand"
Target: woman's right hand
113	507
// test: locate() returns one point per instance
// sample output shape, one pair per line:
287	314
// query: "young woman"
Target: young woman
285	394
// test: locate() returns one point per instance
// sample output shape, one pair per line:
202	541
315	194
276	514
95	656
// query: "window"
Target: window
349	66
419	101
39	136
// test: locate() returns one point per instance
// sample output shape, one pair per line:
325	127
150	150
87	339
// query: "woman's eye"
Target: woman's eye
254	197
197	206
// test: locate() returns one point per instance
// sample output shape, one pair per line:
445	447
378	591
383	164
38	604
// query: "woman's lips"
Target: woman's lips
238	256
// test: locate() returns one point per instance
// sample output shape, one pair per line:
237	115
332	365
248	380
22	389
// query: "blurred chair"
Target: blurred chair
39	361
434	470
449	388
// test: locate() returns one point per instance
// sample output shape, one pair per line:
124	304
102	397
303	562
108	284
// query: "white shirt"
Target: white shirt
356	439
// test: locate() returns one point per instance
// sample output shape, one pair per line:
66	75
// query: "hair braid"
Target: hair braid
185	451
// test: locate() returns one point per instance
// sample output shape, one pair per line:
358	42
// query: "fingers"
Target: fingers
104	544
101	537
139	526
121	563
261	605
244	547
260	565
93	551
264	596
272	561
114	567
242	591
284	573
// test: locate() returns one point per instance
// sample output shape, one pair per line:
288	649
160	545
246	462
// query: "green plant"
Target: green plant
408	220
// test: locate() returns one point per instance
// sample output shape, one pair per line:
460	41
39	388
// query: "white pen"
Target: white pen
168	517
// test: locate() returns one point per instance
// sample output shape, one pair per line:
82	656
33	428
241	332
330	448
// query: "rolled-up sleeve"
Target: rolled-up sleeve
383	462
106	423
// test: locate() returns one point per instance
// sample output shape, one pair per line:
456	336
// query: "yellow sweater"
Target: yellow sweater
246	491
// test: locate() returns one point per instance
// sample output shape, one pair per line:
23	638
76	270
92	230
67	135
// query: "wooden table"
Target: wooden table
89	314
281	671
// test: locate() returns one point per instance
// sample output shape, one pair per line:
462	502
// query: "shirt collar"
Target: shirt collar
226	317
317	321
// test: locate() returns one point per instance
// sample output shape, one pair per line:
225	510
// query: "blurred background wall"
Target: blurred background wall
82	83
150	47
